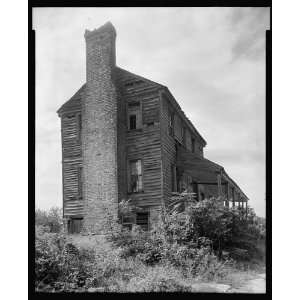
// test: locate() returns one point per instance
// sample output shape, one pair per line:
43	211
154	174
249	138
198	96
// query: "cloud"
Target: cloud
252	23
211	59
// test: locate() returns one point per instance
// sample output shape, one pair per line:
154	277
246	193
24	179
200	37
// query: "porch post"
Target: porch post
219	184
228	191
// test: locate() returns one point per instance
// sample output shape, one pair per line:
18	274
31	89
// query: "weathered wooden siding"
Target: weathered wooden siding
199	148
177	128
121	143
168	150
73	205
188	140
71	161
145	144
150	109
168	143
71	142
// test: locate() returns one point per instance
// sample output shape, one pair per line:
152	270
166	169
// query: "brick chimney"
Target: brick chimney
99	131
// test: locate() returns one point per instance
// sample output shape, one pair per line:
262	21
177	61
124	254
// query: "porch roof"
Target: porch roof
203	170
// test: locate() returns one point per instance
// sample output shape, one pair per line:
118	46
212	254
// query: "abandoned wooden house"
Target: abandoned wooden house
124	136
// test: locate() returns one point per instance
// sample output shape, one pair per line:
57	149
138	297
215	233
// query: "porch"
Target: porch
207	179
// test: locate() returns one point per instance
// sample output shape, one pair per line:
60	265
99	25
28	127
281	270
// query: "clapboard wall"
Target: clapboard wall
143	143
71	163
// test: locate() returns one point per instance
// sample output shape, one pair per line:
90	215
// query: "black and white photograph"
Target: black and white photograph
150	149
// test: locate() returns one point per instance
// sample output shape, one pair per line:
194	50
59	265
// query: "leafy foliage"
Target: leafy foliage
188	241
60	265
51	218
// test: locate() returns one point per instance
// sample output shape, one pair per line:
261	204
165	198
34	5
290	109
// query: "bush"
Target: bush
162	278
183	244
226	228
51	219
60	266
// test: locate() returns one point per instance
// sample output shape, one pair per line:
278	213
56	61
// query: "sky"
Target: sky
211	59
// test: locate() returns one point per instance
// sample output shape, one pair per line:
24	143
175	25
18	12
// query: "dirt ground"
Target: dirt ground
256	286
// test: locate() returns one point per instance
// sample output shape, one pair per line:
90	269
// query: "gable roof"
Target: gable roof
74	102
124	78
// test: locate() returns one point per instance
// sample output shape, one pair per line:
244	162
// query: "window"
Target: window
142	219
171	123
183	136
136	177
79	182
75	225
134	115
127	222
132	122
201	150
193	145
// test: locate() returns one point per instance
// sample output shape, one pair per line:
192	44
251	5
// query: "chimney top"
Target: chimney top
106	28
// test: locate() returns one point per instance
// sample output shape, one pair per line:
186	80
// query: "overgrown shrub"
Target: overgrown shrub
160	278
60	266
226	228
183	244
51	218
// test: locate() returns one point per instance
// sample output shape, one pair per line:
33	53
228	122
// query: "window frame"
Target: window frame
171	118
138	114
129	189
126	224
71	225
183	137
148	219
135	121
193	144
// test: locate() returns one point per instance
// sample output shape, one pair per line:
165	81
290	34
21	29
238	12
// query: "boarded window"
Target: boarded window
184	142
201	150
193	145
79	181
135	176
134	116
75	225
182	135
142	219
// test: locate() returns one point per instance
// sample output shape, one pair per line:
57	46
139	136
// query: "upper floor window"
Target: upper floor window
135	176
134	116
183	134
171	123
132	122
193	145
201	150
